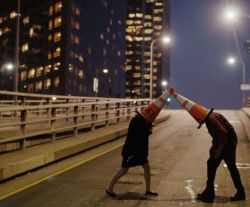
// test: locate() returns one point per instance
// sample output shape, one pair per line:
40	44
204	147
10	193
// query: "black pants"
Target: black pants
229	156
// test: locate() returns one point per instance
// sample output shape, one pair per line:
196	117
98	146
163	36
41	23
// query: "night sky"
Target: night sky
202	41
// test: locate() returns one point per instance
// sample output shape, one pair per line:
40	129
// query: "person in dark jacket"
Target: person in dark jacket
135	152
224	142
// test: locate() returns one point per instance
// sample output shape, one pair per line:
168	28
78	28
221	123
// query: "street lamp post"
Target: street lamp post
17	48
164	40
232	61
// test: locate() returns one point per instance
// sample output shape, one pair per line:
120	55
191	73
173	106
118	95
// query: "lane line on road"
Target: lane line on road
59	172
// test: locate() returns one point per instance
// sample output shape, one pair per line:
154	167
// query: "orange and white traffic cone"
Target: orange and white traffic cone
153	109
198	112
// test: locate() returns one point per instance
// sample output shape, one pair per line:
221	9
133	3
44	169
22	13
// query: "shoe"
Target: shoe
239	196
206	196
151	193
111	194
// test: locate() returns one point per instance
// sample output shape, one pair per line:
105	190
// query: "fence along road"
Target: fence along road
35	118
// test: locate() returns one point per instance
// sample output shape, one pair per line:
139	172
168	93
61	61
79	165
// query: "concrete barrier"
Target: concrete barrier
244	114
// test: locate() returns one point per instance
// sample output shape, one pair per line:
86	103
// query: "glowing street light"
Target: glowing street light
231	60
105	70
231	15
9	66
164	83
165	40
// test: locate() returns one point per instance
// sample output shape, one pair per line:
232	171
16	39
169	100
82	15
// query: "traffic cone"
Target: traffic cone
153	109
198	112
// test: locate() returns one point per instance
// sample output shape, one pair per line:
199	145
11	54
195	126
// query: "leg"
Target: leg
208	194
234	172
116	177
147	176
212	165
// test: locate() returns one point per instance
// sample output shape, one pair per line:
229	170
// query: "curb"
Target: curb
245	119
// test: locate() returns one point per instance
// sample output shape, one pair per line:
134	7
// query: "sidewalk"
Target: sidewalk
244	114
17	162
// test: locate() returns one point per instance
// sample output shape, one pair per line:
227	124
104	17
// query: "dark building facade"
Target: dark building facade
146	20
64	45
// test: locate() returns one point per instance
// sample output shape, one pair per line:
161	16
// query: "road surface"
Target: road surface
178	154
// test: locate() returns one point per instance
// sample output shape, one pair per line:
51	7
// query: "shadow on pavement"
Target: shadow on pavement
131	196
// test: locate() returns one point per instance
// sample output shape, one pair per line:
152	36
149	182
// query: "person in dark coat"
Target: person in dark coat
224	142
135	152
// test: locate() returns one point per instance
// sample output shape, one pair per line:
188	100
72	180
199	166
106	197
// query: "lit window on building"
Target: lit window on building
81	74
50	26
1	32
49	37
157	19
102	36
1	20
77	40
148	31
13	15
89	50
6	30
58	22
129	38
70	67
78	12
136	75
148	17
47	83
58	7
39	71
47	69
39	85
57	52
49	55
26	20
119	22
119	53
57	37
56	66
131	15
51	10
81	59
23	75
139	15
77	26
31	32
25	47
31	73
56	81
129	22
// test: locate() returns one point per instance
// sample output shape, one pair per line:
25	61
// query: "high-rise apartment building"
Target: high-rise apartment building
147	20
64	45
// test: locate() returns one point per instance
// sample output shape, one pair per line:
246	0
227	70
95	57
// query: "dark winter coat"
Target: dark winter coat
136	143
222	132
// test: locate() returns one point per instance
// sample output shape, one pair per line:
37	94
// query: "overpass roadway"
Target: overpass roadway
178	154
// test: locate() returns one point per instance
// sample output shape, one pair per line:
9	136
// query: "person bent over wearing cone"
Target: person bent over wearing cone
135	148
224	142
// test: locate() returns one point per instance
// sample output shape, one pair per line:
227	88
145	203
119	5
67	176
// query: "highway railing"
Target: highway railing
30	119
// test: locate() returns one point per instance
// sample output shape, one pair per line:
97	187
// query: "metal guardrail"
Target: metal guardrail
35	118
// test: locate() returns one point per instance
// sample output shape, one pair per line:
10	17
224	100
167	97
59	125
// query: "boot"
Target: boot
207	195
239	196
